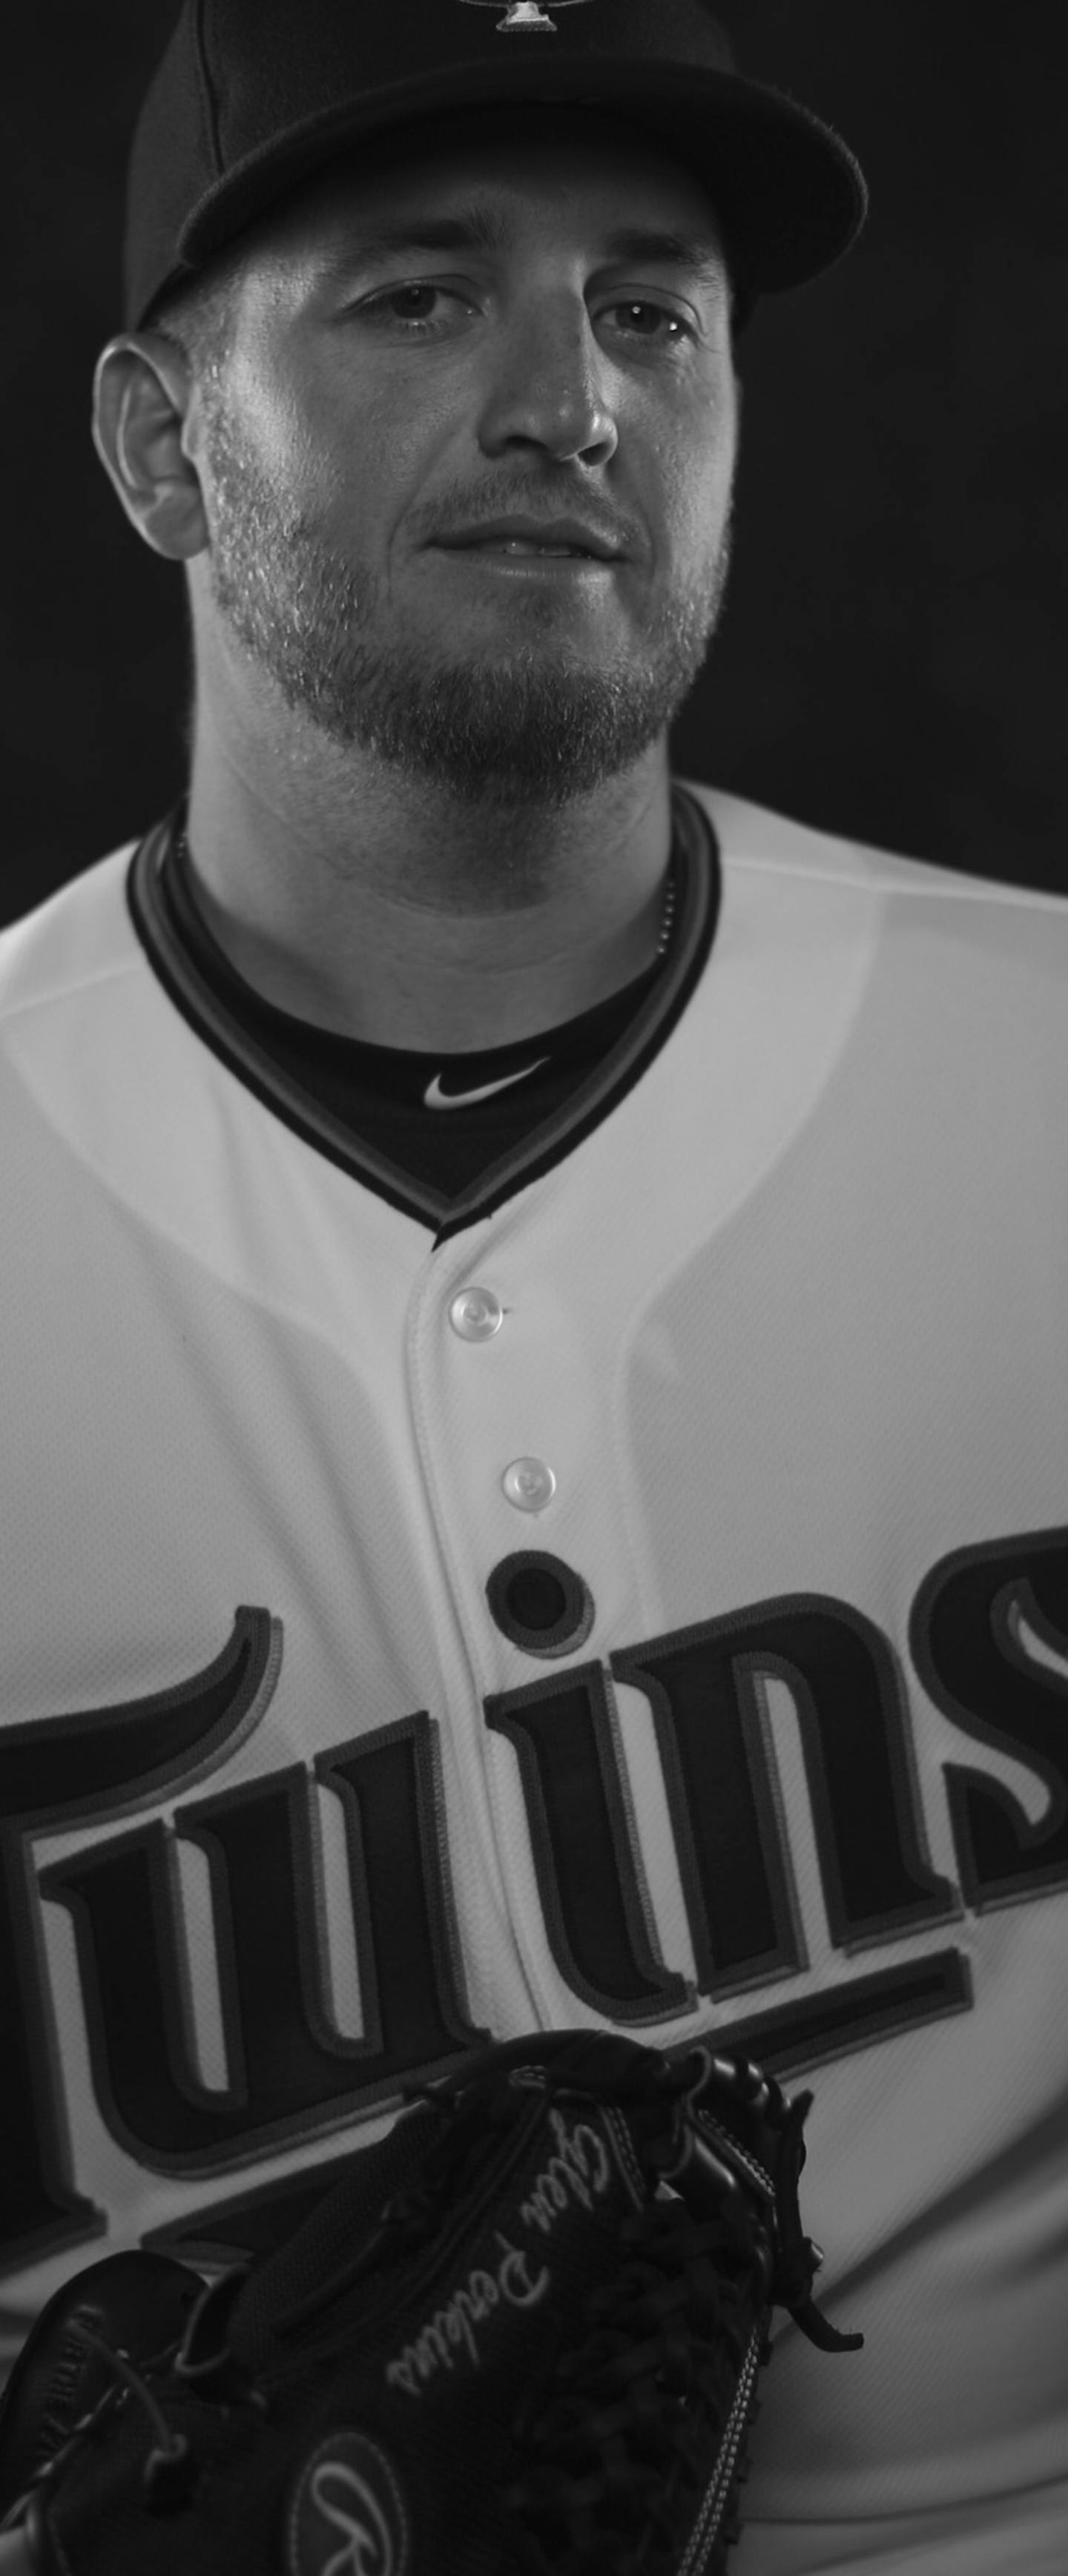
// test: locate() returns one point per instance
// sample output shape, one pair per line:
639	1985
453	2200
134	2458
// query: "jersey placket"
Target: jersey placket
516	1450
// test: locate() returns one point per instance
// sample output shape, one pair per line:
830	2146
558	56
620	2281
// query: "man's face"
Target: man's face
379	400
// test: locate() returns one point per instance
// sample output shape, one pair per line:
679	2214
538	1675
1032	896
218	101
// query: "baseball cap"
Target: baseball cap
253	96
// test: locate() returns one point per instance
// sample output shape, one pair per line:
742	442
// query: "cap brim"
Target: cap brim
789	192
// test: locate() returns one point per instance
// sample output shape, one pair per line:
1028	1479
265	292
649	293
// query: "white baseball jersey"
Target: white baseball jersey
572	1534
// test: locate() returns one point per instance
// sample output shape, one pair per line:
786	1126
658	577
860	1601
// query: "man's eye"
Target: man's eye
395	304
378	306
637	304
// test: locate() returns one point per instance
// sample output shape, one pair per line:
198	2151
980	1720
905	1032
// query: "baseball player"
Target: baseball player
535	1291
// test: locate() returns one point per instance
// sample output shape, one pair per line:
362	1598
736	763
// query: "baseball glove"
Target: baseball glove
523	2333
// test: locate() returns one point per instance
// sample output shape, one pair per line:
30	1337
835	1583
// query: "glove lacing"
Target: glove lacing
169	2470
638	2410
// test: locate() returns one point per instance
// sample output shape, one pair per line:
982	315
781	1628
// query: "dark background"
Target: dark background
894	659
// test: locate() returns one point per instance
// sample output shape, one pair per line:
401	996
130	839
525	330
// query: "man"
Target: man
533	1343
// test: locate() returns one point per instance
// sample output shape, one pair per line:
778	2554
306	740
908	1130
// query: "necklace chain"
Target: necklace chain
669	911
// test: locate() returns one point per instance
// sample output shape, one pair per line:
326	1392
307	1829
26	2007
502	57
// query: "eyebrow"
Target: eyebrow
475	227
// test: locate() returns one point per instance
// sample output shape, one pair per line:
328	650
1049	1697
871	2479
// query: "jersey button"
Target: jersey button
529	1484
476	1314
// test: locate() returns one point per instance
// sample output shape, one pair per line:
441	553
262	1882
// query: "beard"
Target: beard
533	726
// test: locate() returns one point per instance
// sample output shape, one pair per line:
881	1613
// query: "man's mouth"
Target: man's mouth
524	546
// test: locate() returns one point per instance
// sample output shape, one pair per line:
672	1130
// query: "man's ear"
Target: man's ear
141	394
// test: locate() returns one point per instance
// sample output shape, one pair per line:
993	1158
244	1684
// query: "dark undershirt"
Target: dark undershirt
379	1092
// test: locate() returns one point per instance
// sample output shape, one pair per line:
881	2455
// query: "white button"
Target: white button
529	1484
476	1314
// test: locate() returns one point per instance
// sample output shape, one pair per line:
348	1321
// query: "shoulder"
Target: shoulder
752	836
79	936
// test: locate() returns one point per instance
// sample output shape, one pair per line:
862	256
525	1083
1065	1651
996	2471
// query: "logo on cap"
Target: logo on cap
525	17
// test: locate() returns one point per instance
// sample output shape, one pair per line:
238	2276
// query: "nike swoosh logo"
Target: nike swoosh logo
435	1098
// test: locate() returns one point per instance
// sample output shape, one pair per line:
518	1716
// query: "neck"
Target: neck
393	918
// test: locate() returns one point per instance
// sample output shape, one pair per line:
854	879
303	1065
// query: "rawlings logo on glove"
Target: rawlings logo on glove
347	2517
